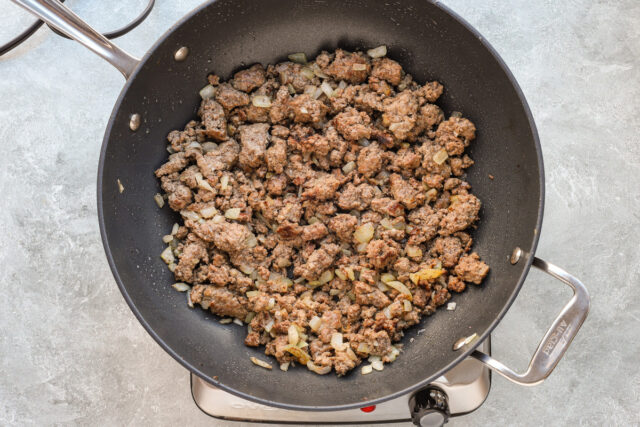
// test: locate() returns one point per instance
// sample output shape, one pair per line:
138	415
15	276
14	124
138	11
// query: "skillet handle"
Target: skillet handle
557	339
61	17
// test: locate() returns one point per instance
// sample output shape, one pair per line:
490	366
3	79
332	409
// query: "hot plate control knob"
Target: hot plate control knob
429	408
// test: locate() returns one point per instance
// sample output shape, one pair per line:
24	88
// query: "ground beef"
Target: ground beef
353	124
230	98
299	208
471	269
213	119
387	69
253	140
249	79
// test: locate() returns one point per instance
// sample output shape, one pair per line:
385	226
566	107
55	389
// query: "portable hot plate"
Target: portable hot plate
459	391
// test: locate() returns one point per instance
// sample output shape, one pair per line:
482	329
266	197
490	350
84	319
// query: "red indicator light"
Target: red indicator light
368	408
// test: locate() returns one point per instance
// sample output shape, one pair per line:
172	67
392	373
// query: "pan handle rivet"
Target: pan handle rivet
515	255
134	122
181	54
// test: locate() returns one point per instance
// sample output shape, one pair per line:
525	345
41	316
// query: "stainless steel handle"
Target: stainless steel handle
59	16
558	337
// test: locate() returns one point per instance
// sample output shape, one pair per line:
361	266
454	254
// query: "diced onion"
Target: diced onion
203	183
226	320
387	277
232	213
349	167
313	284
387	312
400	287
414	251
291	89
351	296
313	220
172	267
363	348
251	294
320	370
208	212
262	101
208	147
181	287
315	323
298	353
120	186
440	156
309	90
382	287
366	369
292	332
189	302
377	365
342	84
218	219
189	215
377	52
334	292
351	354
425	274
317	94
307	72
271	304
336	342
159	200
246	269
207	92
249	317
284	366
261	363
299	57
318	71
373	358
327	89
364	233
451	306
386	223
174	229
167	239
268	326
431	194
252	241
167	255
238	321
350	274
195	145
359	67
406	305
326	277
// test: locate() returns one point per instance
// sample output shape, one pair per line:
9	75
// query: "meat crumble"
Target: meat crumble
324	204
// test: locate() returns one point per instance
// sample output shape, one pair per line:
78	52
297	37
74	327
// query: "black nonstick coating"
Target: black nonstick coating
431	43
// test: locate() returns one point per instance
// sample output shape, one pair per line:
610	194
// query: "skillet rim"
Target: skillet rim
463	355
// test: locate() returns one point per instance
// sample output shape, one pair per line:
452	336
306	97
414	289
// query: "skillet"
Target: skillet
432	43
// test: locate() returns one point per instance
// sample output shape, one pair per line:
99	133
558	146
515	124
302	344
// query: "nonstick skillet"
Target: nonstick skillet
431	42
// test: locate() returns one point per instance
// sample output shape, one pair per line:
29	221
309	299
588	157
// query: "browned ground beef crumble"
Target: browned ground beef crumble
328	223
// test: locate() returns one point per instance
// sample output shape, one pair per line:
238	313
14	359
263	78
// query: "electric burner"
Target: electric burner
459	391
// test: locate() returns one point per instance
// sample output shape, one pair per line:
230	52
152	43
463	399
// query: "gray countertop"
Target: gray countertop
71	351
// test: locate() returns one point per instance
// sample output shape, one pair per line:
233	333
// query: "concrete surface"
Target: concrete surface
71	352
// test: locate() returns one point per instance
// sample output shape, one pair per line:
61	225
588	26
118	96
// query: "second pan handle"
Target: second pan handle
558	337
61	17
